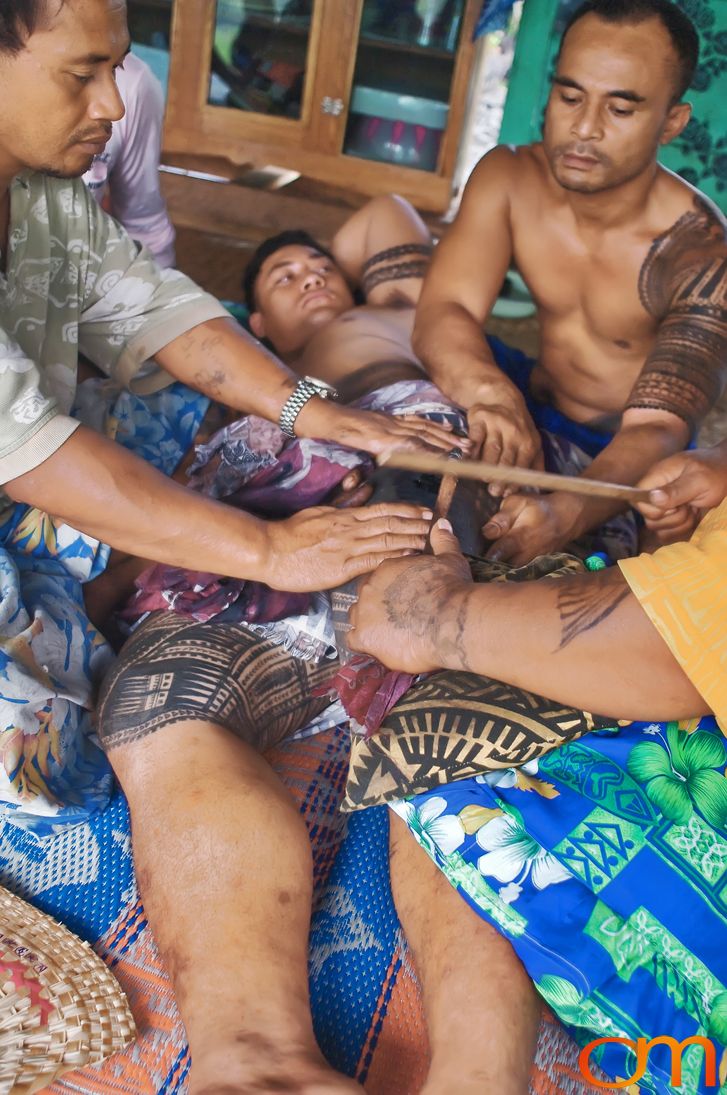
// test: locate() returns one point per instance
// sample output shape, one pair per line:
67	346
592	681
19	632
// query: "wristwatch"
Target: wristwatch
304	390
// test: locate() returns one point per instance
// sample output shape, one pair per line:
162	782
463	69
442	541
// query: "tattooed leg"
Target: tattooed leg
173	670
221	852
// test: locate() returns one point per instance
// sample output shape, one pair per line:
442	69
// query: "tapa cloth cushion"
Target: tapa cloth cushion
453	725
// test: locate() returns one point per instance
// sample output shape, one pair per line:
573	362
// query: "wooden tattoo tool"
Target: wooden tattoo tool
445	494
500	473
447	487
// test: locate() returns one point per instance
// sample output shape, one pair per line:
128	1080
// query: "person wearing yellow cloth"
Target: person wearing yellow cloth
602	863
583	640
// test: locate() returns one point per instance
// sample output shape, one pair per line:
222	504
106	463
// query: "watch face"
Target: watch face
321	385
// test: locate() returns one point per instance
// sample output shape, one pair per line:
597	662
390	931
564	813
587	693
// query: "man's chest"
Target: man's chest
361	336
593	283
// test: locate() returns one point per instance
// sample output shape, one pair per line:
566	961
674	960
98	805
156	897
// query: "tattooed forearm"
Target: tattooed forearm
436	616
451	642
584	603
210	381
683	283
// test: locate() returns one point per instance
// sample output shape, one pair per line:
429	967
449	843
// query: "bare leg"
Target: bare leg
481	1009
224	868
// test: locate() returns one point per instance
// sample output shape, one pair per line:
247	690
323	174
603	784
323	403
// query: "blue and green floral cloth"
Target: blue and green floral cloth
605	865
51	656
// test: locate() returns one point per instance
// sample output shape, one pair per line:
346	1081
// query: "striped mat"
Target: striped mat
364	993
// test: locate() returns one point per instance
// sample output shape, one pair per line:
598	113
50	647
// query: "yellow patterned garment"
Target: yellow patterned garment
683	590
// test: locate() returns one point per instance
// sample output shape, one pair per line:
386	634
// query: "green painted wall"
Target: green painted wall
700	154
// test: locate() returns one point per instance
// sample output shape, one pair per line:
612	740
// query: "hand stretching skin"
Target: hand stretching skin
530	525
582	640
527	525
320	547
373	432
682	488
98	487
409	610
502	432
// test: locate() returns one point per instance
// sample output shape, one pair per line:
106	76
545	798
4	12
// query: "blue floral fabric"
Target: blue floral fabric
52	658
605	865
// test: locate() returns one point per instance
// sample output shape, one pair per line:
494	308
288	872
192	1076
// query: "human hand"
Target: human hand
681	488
377	433
527	525
502	432
410	612
321	547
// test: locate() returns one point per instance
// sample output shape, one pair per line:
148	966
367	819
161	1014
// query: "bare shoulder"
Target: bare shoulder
507	167
688	258
683	284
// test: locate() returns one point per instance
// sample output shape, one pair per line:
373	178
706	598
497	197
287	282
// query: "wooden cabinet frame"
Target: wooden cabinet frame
311	145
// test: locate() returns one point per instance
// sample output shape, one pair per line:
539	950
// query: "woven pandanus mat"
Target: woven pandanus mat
60	1006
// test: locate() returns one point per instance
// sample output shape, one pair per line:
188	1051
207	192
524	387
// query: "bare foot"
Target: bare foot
267	1070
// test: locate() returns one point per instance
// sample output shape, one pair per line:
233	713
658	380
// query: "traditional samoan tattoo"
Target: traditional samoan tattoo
174	669
397	253
683	284
586	603
397	271
404	611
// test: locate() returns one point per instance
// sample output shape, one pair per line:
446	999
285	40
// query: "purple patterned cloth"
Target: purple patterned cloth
254	466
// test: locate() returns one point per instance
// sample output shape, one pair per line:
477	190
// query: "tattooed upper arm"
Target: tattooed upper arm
408	260
683	283
584	602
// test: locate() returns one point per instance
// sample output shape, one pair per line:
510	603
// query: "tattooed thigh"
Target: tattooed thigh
174	670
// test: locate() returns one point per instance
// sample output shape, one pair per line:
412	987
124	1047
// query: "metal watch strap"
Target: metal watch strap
294	404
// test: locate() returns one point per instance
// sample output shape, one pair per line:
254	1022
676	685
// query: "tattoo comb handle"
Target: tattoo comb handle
523	477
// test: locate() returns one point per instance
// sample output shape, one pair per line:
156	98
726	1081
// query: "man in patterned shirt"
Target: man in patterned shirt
72	281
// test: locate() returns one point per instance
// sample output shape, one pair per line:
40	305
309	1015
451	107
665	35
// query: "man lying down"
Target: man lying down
197	694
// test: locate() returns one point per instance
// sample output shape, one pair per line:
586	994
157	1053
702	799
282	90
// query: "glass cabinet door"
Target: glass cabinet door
405	61
150	24
259	55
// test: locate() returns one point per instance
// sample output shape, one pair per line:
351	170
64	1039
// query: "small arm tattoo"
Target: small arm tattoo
405	611
397	271
210	381
584	603
397	253
683	283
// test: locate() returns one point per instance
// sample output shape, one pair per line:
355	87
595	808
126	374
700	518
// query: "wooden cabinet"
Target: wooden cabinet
363	94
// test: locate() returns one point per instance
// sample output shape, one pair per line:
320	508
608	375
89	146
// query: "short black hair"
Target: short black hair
18	20
292	237
680	28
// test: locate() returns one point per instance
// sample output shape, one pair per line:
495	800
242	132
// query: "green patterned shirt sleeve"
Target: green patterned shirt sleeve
31	428
130	308
74	280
